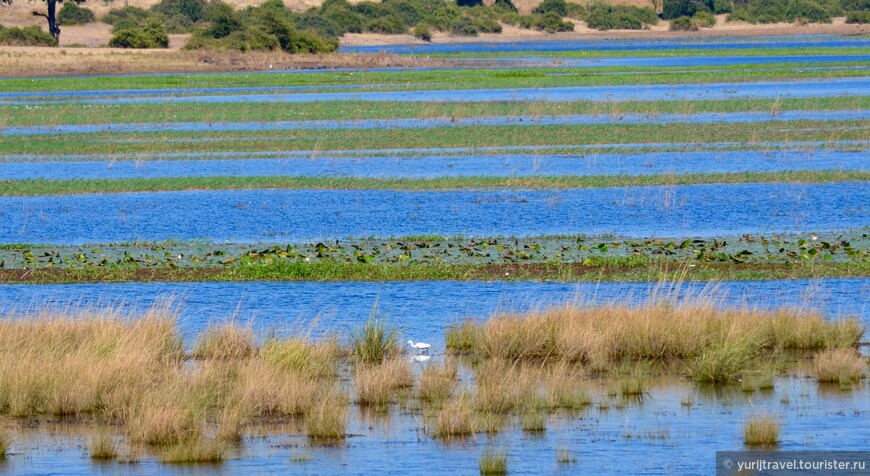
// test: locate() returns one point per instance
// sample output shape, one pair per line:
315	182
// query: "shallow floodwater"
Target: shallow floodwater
422	309
499	165
644	92
803	41
303	215
658	434
416	123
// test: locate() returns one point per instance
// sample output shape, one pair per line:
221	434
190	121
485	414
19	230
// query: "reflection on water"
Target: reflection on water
675	429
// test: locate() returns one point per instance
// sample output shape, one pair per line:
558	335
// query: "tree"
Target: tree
50	16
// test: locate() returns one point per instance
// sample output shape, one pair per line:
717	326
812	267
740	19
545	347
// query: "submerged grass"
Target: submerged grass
843	365
493	462
716	344
545	136
70	187
761	431
103	446
73	113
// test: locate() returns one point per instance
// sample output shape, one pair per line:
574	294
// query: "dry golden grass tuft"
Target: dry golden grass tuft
456	418
438	382
840	366
719	342
378	384
761	431
225	341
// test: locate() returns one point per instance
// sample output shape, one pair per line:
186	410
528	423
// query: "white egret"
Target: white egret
420	346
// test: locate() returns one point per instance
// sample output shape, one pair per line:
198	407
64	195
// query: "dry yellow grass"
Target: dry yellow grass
437	382
761	431
840	366
456	418
601	335
378	384
225	341
328	419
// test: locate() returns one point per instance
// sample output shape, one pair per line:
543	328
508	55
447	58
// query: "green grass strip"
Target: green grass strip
472	136
70	187
334	271
76	113
453	78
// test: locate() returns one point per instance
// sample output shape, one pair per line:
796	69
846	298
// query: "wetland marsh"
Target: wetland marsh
260	245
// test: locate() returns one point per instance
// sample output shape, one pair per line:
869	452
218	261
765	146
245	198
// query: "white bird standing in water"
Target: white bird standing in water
421	347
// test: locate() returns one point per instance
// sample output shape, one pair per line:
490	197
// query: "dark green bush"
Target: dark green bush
576	11
152	35
422	32
133	15
463	26
318	24
179	24
72	14
858	17
619	17
195	10
773	11
505	6
223	25
486	25
683	23
552	23
704	20
387	25
556	6
344	19
684	8
26	36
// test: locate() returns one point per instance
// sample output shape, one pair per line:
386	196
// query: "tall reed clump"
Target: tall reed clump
84	361
377	384
839	366
761	431
103	446
5	443
194	451
225	341
493	462
455	418
463	338
375	341
717	344
327	420
438	382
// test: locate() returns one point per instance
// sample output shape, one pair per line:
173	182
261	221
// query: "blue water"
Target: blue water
429	166
419	123
398	152
670	61
646	92
421	309
302	215
827	41
802	41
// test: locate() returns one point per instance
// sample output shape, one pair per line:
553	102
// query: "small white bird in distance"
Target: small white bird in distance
421	347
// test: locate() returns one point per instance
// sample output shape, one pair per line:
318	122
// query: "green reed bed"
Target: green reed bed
451	78
472	136
71	187
335	271
74	113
